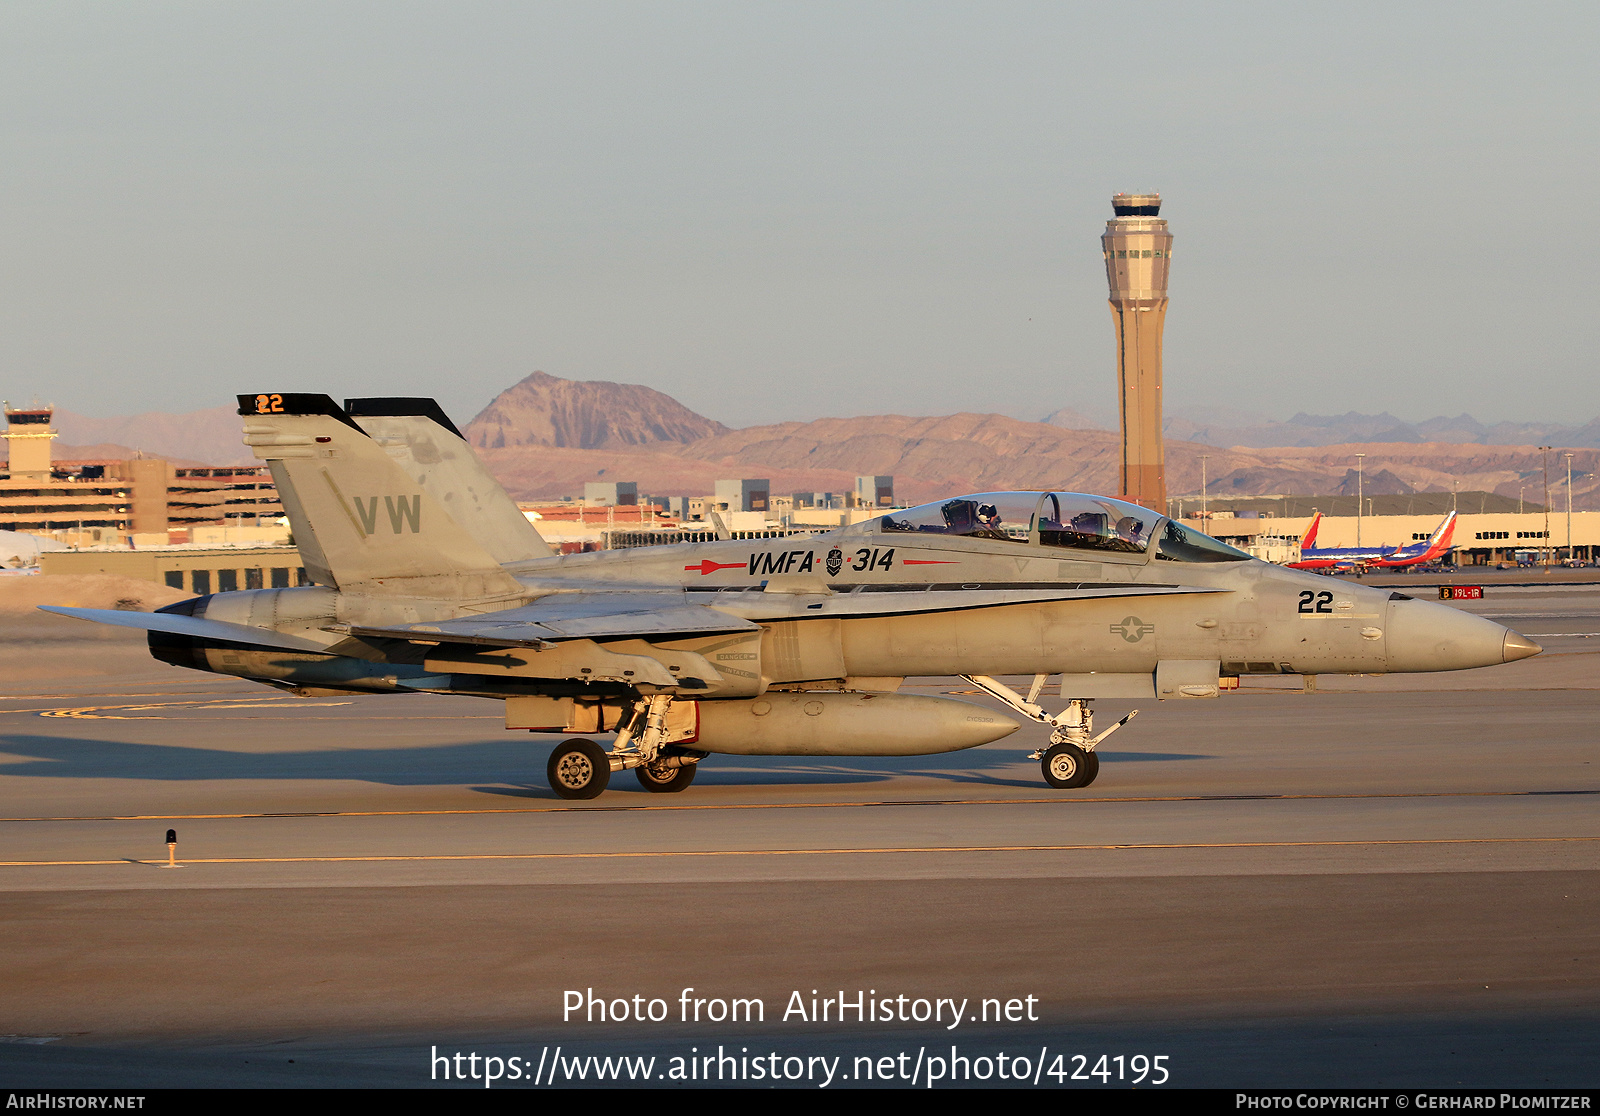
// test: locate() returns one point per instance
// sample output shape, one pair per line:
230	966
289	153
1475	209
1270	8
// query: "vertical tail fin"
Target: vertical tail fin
1309	539
423	441
362	524
1442	536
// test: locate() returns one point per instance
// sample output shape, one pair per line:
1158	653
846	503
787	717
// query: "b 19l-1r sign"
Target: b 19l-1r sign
429	580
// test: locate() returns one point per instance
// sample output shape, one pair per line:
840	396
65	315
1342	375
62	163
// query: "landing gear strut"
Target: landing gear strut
1070	761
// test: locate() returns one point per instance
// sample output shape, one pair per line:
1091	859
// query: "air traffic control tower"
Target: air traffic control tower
1137	249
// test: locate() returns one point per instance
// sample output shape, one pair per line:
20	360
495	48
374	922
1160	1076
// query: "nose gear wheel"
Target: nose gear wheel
1067	766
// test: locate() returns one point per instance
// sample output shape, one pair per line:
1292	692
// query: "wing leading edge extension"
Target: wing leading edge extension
647	615
565	616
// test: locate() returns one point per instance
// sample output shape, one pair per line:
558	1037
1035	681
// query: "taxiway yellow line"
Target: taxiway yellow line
683	853
1060	801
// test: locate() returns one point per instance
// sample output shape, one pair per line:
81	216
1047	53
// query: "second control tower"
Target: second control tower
1138	248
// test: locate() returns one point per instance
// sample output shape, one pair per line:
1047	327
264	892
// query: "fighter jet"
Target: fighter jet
428	580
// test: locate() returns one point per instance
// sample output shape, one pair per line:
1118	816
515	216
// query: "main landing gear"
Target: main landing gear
1070	760
579	769
662	778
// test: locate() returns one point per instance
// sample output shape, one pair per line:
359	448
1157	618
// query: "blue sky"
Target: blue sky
778	211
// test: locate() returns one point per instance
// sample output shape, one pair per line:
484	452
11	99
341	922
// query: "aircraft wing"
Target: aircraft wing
643	614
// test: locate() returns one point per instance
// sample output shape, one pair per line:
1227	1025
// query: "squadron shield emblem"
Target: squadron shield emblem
835	562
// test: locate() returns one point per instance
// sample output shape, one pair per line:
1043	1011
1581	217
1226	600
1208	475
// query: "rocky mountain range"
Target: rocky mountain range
1326	430
542	410
1218	426
930	457
546	436
210	436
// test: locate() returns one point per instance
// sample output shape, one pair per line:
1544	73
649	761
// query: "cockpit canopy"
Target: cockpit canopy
1068	520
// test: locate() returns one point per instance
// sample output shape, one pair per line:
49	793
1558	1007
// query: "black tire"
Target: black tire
1067	766
666	780
578	769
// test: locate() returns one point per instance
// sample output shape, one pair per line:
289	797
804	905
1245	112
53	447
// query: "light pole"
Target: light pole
1204	517
1569	506
1520	490
1359	496
1548	550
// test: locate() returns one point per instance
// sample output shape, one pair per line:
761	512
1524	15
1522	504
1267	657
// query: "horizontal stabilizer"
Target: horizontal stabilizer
194	626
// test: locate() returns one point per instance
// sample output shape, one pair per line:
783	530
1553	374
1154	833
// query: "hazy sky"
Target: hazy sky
780	211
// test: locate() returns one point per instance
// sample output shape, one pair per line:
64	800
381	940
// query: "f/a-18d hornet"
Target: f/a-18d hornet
428	580
1359	559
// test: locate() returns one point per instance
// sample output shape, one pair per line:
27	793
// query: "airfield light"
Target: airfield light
172	850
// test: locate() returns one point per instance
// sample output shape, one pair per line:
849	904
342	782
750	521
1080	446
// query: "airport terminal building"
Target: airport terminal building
137	501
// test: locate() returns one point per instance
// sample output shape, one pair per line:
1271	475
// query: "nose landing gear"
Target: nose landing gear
1070	761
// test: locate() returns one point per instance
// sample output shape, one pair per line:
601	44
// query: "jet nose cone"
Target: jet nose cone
1423	636
1517	646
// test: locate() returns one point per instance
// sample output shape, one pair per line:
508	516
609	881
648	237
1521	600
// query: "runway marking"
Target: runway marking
813	805
670	854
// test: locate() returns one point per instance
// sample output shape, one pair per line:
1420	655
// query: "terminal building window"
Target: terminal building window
227	581
280	578
174	578
252	579
201	582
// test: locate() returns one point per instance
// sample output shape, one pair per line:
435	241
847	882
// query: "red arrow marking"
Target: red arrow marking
927	562
708	566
